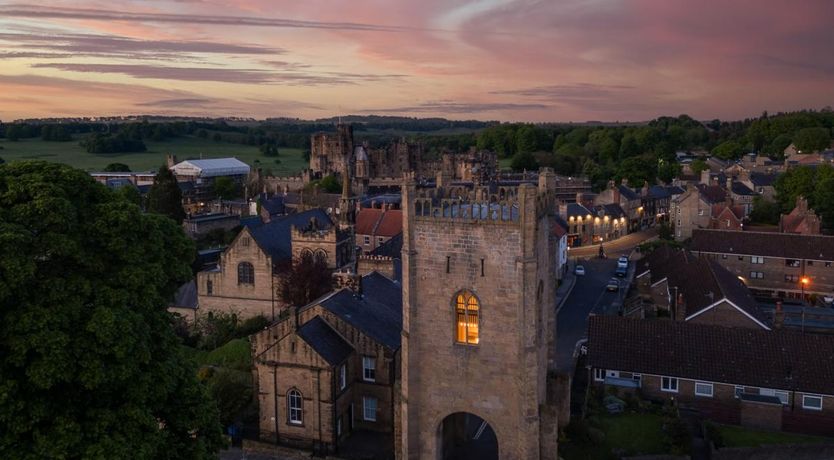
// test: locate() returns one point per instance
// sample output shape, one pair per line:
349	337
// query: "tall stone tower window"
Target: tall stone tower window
467	309
245	273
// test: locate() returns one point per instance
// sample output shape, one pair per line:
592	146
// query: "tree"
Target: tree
698	165
225	187
668	170
526	139
117	167
306	280
729	150
165	196
809	140
765	211
637	170
823	200
524	161
90	364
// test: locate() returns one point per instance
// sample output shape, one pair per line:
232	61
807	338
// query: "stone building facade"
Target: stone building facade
479	325
327	371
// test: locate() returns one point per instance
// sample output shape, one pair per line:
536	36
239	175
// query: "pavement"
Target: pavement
614	248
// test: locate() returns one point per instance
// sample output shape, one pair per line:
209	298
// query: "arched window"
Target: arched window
321	256
245	273
295	410
466	318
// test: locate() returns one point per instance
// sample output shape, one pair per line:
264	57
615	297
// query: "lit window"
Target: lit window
669	384
703	389
294	407
757	260
369	408
342	376
245	273
792	262
368	368
812	402
599	375
467	308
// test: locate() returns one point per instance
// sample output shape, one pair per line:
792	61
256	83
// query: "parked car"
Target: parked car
622	262
621	272
579	270
613	284
829	299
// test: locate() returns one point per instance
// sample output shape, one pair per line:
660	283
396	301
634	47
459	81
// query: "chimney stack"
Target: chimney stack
680	308
778	315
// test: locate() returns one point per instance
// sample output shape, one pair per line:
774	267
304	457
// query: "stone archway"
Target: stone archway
465	436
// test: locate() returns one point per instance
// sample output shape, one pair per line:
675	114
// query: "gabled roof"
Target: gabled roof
723	211
275	237
377	312
325	341
675	190
392	248
577	210
763	180
558	229
186	296
628	193
379	222
741	189
701	282
659	192
712	193
274	206
767	244
613	210
779	359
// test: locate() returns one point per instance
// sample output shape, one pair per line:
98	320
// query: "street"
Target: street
614	248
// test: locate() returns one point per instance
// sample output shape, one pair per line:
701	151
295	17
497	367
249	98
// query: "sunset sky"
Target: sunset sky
553	60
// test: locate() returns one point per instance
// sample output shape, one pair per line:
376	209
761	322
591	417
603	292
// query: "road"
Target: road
614	248
588	295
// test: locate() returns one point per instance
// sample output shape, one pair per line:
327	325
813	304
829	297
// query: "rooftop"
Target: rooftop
767	244
211	167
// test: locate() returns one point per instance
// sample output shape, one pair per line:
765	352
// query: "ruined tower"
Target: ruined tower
478	322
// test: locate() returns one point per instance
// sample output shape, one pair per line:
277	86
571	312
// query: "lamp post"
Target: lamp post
803	282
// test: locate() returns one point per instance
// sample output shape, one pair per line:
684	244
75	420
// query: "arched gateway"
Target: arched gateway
465	436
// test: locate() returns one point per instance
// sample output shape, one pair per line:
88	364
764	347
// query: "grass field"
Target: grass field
631	434
73	154
736	436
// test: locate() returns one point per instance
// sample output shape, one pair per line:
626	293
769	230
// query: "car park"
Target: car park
579	270
613	284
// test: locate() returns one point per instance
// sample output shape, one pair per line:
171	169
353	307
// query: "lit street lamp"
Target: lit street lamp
804	281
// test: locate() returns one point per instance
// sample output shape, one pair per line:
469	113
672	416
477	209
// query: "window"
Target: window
700	212
756	275
380	240
810	263
828	264
342	377
637	378
791	262
369	408
209	287
782	395
614	374
703	389
467	309
245	273
791	278
599	375
294	407
812	402
244	242
368	368
757	260
367	240
741	258
669	384
739	391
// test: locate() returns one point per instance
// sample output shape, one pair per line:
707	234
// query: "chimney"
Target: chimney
645	190
729	183
680	308
705	176
778	315
293	317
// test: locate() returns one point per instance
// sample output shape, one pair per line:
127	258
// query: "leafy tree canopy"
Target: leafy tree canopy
117	167
307	279
524	161
165	196
729	150
90	364
808	140
225	187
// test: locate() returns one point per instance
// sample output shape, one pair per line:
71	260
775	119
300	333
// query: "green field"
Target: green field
736	436
73	154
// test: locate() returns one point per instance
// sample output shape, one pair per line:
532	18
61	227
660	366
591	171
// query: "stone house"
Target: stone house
774	380
772	263
244	281
801	220
630	201
593	225
696	290
375	226
705	206
328	371
479	325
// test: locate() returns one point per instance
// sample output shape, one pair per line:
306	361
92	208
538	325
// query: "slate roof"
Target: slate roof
392	248
780	359
611	210
377	313
741	189
186	296
577	210
712	193
675	190
767	244
659	192
696	278
327	343
628	193
275	237
763	180
274	206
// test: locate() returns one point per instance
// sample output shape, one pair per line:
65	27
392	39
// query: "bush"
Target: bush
678	434
252	325
232	391
714	435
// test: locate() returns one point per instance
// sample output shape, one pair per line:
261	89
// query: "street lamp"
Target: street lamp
804	281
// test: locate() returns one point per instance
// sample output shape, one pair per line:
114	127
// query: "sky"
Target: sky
510	60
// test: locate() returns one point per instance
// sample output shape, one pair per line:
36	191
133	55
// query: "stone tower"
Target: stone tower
478	323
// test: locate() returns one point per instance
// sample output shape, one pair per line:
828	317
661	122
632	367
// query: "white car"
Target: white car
622	262
828	299
579	270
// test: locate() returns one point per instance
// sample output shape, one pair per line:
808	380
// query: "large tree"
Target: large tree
90	366
305	280
165	196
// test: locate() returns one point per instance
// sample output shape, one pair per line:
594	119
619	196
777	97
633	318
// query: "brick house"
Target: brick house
375	226
800	220
778	380
774	263
244	280
328	370
696	290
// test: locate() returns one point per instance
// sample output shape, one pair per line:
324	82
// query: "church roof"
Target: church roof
275	237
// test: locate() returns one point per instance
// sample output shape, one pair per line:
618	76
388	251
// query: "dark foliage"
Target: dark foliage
307	279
